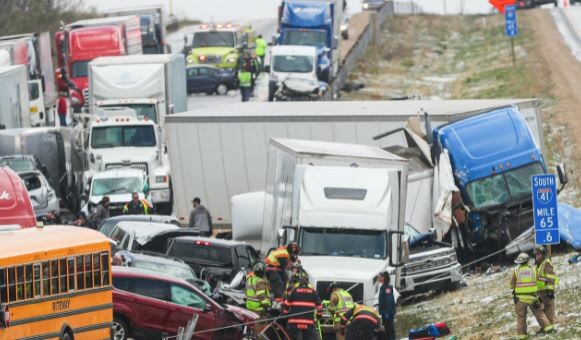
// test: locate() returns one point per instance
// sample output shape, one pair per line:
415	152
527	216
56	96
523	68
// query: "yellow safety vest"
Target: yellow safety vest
364	312
272	258
260	47
245	78
526	284
256	298
344	303
546	281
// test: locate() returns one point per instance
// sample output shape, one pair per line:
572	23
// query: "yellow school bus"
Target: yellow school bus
55	283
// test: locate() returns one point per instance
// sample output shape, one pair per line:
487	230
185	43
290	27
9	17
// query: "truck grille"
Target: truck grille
140	166
86	97
356	292
213	59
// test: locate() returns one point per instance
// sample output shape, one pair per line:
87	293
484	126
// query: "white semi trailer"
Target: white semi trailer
14	106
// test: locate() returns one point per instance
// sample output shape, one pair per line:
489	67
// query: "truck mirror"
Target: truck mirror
398	248
562	173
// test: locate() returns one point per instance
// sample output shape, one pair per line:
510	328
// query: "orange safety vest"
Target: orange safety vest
272	258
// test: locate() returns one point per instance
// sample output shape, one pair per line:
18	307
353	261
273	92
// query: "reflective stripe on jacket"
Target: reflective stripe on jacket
273	258
260	47
341	302
546	281
257	293
526	284
360	312
245	78
143	205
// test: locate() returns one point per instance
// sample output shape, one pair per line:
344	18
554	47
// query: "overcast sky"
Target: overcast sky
226	10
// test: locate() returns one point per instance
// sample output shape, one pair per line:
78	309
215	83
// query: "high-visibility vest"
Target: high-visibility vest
526	284
344	304
144	203
364	312
257	293
546	281
245	78
272	258
260	47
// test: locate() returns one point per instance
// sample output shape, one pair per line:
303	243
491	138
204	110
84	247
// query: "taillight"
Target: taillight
5	315
203	243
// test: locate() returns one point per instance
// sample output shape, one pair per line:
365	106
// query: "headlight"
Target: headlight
202	58
161	179
231	60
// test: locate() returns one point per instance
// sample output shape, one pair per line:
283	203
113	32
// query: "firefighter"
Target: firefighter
340	302
301	306
361	322
136	206
260	50
296	273
524	285
258	291
547	279
276	264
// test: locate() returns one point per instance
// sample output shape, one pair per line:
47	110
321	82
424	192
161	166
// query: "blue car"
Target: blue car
209	79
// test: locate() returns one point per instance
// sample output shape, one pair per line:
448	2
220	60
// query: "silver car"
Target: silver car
42	195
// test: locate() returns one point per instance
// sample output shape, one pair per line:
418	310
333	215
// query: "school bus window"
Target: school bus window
97	269
37	291
105	271
80	272
63	275
71	269
54	277
3	286
45	279
20	277
11	284
88	272
28	281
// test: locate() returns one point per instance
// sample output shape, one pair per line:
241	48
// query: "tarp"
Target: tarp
569	229
306	14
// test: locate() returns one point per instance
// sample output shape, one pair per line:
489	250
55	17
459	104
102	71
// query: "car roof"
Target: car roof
143	218
143	273
157	258
144	231
29	172
213	241
31	157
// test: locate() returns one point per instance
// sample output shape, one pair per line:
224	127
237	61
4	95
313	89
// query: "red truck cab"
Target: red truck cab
15	204
82	41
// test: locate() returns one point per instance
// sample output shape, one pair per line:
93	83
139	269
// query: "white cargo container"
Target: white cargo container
14	107
218	152
153	85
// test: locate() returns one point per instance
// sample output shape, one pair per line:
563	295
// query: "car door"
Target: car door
206	79
243	258
184	303
36	191
151	308
192	79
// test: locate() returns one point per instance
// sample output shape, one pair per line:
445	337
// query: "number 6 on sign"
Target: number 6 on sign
549	238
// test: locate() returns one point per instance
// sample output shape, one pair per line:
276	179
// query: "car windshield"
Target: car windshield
213	39
181	272
305	38
114	136
80	69
205	253
32	182
292	63
411	231
18	165
370	244
116	186
501	188
145	110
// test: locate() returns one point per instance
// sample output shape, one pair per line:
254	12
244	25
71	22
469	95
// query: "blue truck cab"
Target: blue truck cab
493	157
310	23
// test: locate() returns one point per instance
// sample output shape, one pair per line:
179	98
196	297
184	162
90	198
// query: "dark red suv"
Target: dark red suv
149	305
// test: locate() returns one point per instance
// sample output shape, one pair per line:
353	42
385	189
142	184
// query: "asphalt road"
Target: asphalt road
568	21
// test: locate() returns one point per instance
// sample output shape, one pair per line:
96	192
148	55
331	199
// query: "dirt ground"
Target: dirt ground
468	57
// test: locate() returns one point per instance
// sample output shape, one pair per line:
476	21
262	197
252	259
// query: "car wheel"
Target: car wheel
120	329
221	89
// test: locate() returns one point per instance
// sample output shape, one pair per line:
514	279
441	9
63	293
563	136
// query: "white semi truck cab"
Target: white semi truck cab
345	206
119	138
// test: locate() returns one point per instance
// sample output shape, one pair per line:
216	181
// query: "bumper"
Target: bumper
160	196
431	279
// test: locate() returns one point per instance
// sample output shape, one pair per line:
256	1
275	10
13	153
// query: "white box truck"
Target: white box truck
153	85
344	204
14	107
218	152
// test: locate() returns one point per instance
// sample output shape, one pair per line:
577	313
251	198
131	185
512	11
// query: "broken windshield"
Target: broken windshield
370	244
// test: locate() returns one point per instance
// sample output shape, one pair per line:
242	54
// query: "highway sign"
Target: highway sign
545	209
510	26
500	4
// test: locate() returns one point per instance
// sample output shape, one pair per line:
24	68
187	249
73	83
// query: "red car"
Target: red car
15	205
148	305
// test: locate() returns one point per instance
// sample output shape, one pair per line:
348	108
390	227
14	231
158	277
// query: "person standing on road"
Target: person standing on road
387	305
276	264
62	109
200	218
524	285
361	322
101	212
136	206
260	51
340	303
245	82
258	291
547	280
301	306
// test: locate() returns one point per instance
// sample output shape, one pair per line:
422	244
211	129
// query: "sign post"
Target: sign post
511	28
544	188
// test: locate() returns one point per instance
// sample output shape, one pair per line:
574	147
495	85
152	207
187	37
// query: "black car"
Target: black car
222	259
209	79
109	224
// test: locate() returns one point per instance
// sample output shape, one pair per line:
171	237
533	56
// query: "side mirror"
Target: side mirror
267	68
399	248
562	173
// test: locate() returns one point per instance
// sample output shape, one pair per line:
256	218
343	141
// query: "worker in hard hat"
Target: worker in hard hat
547	280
